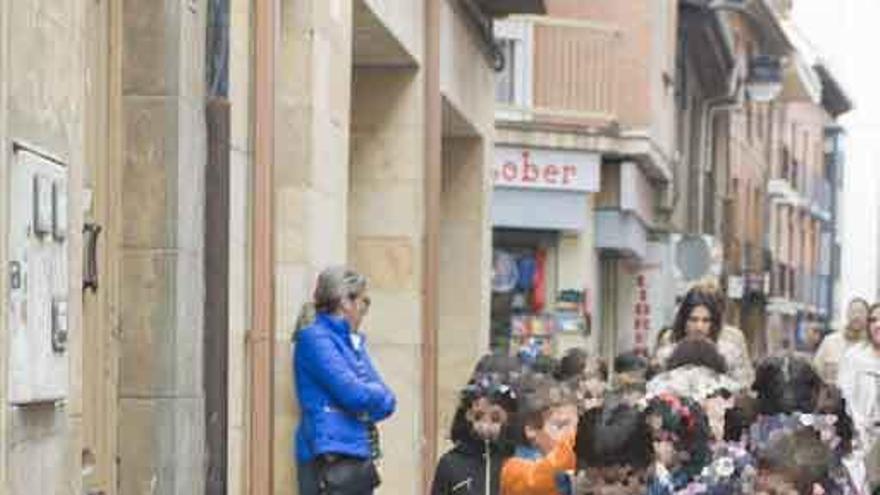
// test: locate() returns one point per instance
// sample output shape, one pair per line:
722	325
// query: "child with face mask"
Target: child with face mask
544	461
482	435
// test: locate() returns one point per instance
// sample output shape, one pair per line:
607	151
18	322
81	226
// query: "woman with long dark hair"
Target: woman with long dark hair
701	316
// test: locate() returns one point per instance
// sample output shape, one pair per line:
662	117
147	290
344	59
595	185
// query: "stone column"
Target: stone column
240	163
386	242
311	181
465	244
161	397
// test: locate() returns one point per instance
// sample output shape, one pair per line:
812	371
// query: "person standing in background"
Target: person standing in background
339	390
701	315
859	381
731	337
832	349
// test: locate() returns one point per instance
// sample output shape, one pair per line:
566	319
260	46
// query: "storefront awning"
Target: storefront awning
538	209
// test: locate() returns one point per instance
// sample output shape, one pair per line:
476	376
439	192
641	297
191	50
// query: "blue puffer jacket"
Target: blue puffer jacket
339	391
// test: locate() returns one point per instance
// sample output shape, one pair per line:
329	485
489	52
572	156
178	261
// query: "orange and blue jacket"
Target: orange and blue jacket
528	475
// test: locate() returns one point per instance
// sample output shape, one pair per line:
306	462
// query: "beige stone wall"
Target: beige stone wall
403	19
465	254
41	59
161	397
466	81
240	163
311	180
386	218
4	152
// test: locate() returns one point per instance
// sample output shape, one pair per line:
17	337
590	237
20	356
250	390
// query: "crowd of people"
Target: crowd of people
695	417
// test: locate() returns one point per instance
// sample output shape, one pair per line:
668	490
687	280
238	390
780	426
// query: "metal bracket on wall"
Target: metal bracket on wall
91	231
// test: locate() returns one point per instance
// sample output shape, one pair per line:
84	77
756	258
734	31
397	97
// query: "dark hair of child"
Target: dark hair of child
697	352
802	456
545	365
739	418
789	384
573	365
493	388
786	384
630	362
499	363
613	435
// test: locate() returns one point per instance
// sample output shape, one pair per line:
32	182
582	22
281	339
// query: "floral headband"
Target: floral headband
679	414
768	429
491	387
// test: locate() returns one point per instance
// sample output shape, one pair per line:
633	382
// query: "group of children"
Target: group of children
563	428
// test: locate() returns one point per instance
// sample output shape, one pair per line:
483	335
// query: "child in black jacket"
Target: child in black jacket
482	433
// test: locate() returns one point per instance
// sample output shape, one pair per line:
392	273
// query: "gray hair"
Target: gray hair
334	285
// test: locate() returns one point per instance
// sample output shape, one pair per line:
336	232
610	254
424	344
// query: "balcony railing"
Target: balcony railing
573	72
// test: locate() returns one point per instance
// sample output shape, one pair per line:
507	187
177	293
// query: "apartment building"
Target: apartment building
805	189
583	90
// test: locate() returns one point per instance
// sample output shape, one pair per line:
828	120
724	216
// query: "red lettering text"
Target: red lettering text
508	171
569	172
551	174
530	170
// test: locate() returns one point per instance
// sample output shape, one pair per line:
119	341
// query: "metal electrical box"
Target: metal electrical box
38	278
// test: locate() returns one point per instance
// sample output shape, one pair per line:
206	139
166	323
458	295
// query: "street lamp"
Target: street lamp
764	81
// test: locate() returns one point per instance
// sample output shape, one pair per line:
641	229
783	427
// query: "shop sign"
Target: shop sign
735	287
530	168
642	312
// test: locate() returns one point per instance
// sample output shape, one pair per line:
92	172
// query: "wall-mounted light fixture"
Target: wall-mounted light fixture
764	81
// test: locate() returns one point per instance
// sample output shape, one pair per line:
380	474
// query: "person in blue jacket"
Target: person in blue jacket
340	393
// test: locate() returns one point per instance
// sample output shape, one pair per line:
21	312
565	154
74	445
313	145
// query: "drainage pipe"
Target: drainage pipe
431	252
261	337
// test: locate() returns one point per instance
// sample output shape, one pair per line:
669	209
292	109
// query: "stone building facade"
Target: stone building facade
130	132
147	110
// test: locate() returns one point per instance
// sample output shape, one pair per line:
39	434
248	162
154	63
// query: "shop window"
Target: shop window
513	83
529	310
505	82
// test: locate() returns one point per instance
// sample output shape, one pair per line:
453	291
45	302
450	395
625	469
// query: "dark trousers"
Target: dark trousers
308	479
